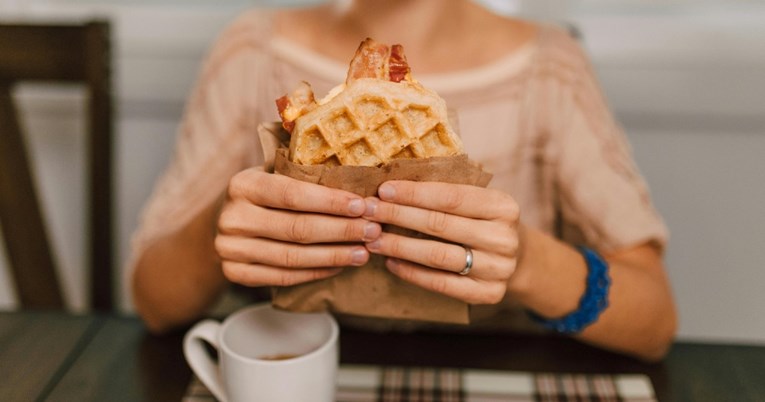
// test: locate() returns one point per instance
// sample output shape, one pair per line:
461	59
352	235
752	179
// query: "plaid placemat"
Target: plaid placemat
425	384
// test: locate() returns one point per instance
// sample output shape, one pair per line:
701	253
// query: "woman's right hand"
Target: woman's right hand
277	231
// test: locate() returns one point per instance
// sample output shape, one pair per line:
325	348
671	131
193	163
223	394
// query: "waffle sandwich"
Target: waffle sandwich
379	114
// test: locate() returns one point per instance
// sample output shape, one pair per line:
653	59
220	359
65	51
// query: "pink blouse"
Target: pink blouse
535	118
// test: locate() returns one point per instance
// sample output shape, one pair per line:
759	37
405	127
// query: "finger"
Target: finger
288	255
263	275
433	254
459	287
287	193
457	199
478	234
254	221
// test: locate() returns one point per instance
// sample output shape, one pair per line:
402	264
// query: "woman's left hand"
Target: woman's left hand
484	220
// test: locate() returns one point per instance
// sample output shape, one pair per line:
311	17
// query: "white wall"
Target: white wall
688	85
157	52
685	80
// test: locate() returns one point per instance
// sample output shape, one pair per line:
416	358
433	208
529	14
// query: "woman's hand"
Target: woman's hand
277	231
484	220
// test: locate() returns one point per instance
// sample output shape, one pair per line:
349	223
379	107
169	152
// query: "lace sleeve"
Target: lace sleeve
604	200
216	138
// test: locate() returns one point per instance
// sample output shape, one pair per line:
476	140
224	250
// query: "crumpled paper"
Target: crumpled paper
370	290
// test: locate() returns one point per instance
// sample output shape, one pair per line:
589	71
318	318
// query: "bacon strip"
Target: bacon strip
377	60
370	61
282	104
398	67
295	104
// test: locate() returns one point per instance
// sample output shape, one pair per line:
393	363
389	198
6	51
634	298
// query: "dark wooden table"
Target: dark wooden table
59	357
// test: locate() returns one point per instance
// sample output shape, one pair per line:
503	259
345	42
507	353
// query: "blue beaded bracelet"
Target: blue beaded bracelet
592	303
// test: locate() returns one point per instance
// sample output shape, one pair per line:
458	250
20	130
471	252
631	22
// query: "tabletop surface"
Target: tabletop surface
56	356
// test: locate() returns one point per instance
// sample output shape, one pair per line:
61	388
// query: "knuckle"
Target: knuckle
407	274
337	203
438	222
285	279
291	257
515	212
505	242
439	285
438	257
394	246
393	212
290	194
353	230
220	246
316	275
510	209
241	183
453	200
227	221
235	186
503	271
230	271
495	294
491	294
259	181
299	230
510	268
339	258
406	194
512	243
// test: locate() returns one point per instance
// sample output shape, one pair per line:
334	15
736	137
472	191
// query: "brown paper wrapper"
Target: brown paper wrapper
370	290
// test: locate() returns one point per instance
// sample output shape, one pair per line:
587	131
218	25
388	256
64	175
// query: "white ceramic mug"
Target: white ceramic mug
266	354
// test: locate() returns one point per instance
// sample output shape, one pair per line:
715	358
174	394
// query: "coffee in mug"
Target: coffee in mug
278	357
267	355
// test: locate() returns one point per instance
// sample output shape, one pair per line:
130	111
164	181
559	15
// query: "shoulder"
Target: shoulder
554	47
238	43
560	50
500	36
249	31
249	23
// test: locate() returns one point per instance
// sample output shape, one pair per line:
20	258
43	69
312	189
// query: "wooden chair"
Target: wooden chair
56	54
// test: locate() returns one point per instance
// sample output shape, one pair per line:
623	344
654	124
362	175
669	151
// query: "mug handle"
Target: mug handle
200	361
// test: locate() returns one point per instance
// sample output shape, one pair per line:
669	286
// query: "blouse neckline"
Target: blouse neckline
485	75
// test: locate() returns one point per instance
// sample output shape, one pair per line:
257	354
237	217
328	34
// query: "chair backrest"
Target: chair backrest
57	54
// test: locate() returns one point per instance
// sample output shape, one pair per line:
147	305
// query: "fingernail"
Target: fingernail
386	191
371	231
358	256
373	246
371	207
356	207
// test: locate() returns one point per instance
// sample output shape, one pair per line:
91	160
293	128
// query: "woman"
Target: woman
529	110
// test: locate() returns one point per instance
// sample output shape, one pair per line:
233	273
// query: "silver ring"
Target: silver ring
468	261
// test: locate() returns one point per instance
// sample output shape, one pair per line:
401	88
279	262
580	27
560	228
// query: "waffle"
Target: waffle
372	122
